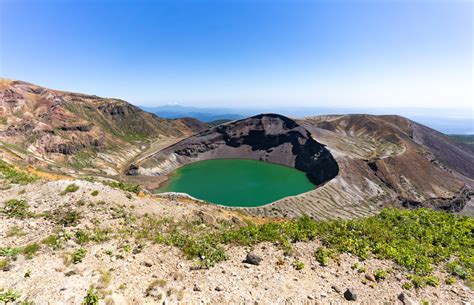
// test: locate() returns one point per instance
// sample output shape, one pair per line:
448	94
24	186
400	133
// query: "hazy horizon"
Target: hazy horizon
246	53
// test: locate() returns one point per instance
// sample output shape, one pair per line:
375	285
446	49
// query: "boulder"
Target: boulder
253	259
350	294
406	299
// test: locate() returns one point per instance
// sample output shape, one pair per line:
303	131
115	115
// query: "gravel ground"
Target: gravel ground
124	277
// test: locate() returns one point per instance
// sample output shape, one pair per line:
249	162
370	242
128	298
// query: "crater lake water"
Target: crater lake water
237	182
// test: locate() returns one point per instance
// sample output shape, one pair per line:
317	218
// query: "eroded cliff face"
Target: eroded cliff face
266	137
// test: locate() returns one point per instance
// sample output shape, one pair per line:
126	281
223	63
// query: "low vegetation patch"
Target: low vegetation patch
15	231
10	252
12	175
91	298
65	218
9	296
16	208
4	264
380	274
53	241
323	255
419	281
415	239
128	187
298	265
78	255
71	188
30	250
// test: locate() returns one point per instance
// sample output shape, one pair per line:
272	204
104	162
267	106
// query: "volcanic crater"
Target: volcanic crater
266	137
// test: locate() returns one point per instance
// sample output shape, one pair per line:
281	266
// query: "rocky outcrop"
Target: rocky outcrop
453	204
265	137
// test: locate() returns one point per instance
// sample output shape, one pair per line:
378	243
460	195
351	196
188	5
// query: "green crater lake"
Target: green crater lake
237	182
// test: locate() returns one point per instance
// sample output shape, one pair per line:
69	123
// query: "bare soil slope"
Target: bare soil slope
85	240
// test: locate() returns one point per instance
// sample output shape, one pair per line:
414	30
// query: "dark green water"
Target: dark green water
237	182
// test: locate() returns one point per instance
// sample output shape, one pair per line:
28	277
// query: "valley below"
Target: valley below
266	209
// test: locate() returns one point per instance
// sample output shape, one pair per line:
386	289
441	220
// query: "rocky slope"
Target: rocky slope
44	126
383	161
92	237
266	137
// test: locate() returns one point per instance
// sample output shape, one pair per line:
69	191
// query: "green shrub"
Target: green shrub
457	268
432	280
407	285
323	255
450	280
414	239
127	248
10	252
95	193
16	208
206	248
9	296
380	274
82	237
161	283
71	188
298	265
78	255
421	281
418	281
91	298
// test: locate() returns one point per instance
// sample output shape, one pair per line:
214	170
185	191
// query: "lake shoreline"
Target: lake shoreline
236	182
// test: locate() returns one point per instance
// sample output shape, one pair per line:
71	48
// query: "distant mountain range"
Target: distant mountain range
448	122
202	114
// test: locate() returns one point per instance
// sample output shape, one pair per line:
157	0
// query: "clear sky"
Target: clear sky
228	53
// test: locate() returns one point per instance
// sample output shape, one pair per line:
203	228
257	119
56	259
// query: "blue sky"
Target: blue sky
246	53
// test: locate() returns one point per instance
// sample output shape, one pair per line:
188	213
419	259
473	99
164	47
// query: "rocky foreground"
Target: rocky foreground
65	242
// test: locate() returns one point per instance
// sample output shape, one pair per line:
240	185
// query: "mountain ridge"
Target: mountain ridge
54	126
